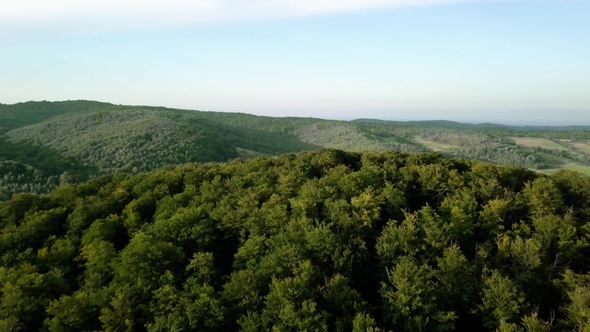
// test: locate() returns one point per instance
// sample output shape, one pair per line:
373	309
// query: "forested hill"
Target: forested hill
316	241
459	125
22	114
44	144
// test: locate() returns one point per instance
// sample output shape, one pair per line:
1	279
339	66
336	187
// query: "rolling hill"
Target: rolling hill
43	144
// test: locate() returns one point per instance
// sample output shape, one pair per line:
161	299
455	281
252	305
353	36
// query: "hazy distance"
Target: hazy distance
510	62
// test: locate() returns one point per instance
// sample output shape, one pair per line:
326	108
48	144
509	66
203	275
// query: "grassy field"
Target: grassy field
434	146
533	142
580	146
571	166
578	168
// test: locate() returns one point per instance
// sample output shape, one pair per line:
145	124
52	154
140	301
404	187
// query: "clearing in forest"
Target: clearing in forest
533	142
434	146
578	168
571	166
580	147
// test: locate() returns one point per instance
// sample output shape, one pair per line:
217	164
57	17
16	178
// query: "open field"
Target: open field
533	142
571	166
434	146
580	146
578	168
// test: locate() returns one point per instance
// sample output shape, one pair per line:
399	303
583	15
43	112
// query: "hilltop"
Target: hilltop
314	241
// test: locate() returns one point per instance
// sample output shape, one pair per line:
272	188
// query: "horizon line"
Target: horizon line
517	124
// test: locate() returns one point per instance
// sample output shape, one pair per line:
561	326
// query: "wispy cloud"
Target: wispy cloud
145	13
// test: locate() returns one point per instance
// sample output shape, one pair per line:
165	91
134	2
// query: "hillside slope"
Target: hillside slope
54	142
22	114
127	141
47	143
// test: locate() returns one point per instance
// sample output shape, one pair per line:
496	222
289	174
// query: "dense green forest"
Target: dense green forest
43	144
78	140
126	141
315	241
23	114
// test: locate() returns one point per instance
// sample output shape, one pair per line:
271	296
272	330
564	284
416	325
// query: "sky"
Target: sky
512	62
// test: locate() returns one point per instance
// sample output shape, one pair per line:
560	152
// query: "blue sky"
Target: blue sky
519	62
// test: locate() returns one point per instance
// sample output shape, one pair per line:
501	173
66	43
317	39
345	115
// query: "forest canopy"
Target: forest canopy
315	241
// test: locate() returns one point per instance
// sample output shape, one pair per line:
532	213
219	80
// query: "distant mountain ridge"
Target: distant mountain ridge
462	125
30	112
